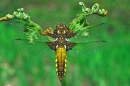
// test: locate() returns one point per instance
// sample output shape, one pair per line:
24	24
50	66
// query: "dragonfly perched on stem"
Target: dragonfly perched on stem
65	43
78	40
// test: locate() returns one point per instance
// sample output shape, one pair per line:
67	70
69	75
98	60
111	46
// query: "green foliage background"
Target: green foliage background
110	67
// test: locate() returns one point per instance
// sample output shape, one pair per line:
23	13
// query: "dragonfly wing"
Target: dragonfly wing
38	49
89	45
23	27
95	32
18	25
84	49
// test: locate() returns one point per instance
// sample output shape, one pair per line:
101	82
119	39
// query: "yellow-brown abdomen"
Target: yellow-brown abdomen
61	61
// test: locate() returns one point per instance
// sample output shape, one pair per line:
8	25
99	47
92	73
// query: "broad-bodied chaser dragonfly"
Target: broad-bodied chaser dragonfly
67	43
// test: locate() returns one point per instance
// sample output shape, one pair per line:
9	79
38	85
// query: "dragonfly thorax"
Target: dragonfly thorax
61	35
61	39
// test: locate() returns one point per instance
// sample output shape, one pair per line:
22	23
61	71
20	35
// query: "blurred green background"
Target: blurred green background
110	67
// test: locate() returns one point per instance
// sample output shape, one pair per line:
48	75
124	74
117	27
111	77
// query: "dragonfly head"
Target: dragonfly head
61	29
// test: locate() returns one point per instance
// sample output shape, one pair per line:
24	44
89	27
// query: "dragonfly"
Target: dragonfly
66	43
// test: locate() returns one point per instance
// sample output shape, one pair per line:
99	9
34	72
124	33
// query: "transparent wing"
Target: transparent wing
21	27
87	48
39	48
18	25
96	32
89	45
